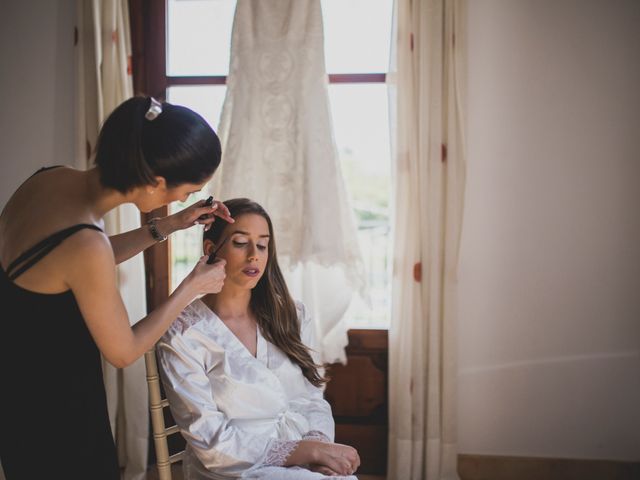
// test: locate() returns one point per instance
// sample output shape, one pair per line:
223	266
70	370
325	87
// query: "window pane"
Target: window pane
186	245
207	100
357	35
199	36
361	126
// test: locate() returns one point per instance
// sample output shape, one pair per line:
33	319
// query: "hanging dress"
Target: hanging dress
278	150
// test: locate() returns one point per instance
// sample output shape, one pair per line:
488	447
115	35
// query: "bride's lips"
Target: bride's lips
251	271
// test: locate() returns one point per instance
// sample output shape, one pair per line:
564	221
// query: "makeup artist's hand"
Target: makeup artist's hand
204	278
198	213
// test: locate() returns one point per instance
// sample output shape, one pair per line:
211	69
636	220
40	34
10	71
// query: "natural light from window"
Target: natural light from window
198	43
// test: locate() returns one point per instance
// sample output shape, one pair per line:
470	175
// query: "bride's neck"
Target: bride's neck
230	302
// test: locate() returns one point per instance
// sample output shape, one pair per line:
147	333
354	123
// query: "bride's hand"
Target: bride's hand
332	457
323	470
341	459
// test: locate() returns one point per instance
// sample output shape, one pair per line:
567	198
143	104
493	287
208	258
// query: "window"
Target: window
198	37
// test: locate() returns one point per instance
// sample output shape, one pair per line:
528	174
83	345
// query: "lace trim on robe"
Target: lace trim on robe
282	449
187	318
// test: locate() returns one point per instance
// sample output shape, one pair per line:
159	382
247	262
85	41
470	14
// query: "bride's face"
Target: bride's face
246	250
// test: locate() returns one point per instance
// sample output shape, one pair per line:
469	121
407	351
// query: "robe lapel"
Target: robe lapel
224	337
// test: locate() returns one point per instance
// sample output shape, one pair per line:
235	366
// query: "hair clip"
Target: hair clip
155	109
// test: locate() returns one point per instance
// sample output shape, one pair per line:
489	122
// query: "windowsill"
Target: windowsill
368	327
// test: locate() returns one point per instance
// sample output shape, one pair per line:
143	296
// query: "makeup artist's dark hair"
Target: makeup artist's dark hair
271	302
132	150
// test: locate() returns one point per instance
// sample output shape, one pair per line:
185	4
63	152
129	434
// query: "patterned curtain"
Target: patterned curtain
426	81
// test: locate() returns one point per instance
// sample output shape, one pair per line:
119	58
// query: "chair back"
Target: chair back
157	404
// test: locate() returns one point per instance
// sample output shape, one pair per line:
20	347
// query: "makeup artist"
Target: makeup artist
61	306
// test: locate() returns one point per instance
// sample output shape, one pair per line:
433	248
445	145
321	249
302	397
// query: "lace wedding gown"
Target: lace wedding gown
278	149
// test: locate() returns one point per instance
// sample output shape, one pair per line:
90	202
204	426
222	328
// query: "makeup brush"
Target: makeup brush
212	256
208	202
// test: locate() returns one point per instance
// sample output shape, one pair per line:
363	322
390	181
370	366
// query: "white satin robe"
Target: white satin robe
241	415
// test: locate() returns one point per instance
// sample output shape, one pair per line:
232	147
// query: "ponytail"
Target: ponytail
176	143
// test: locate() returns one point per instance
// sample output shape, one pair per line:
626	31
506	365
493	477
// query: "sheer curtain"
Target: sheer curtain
278	149
103	55
427	85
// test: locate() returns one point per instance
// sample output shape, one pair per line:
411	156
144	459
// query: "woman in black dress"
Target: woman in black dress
60	302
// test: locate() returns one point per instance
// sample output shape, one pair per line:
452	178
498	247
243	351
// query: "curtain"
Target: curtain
426	92
103	56
278	150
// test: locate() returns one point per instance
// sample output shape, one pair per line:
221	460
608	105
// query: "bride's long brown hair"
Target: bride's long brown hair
271	302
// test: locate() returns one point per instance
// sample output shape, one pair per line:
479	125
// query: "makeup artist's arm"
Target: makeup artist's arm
91	275
128	244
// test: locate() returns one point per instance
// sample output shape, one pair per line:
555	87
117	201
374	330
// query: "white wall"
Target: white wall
549	346
36	88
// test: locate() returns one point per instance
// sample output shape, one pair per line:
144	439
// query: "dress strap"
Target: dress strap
44	169
42	248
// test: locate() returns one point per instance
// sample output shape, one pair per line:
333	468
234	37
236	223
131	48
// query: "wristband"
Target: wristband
153	229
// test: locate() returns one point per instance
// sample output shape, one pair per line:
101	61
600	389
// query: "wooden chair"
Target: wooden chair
157	404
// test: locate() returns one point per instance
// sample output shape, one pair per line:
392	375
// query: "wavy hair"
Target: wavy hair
271	302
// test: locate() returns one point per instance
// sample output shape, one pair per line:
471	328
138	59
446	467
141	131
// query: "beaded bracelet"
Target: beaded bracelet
153	229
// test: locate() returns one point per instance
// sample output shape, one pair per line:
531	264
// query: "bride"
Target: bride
238	369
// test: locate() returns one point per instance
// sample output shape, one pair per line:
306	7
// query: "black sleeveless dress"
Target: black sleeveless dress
53	412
